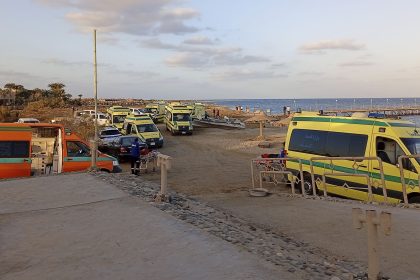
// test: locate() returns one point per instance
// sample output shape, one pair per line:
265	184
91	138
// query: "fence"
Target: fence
276	166
357	163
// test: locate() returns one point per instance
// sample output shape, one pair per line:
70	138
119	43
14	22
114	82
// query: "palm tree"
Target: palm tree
57	89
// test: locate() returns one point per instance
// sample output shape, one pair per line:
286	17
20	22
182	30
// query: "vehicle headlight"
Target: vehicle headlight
115	163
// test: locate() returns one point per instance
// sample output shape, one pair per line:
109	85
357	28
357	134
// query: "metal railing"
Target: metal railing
402	177
276	166
356	172
324	184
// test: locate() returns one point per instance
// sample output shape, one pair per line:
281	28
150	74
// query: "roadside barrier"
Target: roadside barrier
276	166
357	162
372	221
402	177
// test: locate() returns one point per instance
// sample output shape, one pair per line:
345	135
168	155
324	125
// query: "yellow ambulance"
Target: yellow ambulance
178	119
316	135
156	111
116	115
144	127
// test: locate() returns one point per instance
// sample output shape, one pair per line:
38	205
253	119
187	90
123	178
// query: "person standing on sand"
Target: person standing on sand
135	157
214	112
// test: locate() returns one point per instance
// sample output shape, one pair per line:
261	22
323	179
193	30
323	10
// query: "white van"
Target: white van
102	119
28	120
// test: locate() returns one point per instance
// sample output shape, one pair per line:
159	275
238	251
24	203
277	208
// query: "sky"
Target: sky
213	49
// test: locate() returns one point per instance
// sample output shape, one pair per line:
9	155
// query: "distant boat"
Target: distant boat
220	123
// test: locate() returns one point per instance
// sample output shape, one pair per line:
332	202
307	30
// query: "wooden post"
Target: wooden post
372	222
164	162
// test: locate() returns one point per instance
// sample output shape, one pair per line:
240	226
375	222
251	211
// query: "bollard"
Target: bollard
372	222
164	162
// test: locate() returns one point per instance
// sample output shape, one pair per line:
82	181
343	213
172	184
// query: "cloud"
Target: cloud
355	64
237	59
213	58
10	74
199	40
155	43
66	63
61	62
278	65
193	55
326	45
134	73
241	75
134	17
187	60
310	73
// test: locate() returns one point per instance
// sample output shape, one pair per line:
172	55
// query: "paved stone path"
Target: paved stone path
296	257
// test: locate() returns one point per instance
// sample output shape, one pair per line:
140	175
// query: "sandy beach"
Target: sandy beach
215	160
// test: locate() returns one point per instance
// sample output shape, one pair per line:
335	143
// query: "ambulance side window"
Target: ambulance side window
389	151
14	149
77	149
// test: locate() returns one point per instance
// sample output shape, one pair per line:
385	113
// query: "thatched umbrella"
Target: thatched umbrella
283	122
260	118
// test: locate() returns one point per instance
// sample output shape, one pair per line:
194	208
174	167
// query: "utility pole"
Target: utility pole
94	142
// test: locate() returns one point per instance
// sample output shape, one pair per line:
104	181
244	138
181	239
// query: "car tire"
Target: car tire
414	199
308	188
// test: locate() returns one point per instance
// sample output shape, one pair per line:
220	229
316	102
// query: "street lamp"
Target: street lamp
336	104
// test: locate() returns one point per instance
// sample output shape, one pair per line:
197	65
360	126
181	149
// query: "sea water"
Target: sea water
275	106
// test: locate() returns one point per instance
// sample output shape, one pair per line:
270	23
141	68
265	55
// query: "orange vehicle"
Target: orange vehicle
30	149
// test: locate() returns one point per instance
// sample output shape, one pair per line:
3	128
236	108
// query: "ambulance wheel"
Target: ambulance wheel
307	185
414	199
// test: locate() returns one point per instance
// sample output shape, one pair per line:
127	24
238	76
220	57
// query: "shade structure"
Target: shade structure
261	119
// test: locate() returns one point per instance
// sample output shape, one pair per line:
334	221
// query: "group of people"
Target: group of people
216	113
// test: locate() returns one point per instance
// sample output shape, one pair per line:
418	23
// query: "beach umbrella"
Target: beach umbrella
261	119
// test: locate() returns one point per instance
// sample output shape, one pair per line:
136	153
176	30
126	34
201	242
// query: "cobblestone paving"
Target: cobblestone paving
294	256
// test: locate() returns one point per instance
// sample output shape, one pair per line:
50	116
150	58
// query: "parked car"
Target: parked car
120	148
88	113
102	119
28	120
107	135
136	111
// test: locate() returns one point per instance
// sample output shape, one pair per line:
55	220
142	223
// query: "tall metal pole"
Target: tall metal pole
95	91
